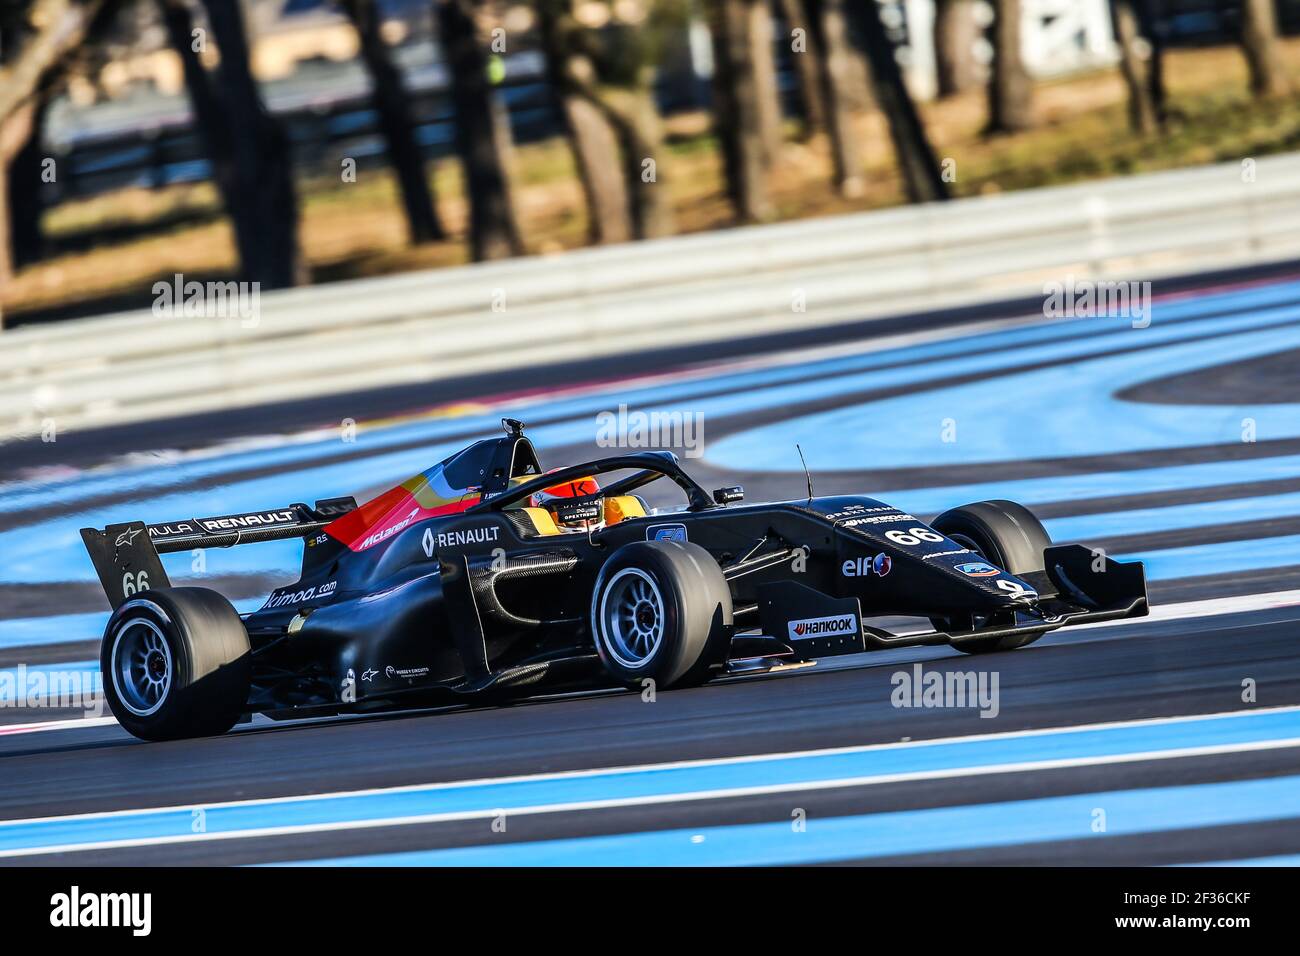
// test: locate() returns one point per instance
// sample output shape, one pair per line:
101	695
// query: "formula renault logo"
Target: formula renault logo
240	522
835	626
978	569
451	539
174	528
666	532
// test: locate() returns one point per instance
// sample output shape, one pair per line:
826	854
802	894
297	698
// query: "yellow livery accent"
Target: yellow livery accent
619	507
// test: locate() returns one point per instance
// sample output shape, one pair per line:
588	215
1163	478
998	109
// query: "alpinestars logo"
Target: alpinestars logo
834	626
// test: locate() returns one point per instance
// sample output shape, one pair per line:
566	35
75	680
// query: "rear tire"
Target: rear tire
176	664
661	610
1005	534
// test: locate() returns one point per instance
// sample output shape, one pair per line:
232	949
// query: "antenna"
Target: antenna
806	473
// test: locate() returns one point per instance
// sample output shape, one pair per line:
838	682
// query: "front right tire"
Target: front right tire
1005	534
176	664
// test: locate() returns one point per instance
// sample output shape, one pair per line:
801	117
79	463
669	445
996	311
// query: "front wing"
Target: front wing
1078	585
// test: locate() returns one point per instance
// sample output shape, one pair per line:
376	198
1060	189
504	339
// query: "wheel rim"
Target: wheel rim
632	617
142	666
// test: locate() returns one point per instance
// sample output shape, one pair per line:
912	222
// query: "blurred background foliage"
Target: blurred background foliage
293	141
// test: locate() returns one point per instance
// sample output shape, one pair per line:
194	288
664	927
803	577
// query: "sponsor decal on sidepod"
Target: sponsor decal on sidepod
880	565
284	598
834	626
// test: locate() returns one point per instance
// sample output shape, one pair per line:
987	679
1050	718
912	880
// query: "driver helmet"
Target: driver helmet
576	505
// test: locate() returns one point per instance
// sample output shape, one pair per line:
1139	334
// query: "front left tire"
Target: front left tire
661	611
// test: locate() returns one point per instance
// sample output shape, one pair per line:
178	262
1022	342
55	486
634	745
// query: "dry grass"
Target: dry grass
119	244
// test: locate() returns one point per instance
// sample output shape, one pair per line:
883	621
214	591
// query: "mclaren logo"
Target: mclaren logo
835	626
388	532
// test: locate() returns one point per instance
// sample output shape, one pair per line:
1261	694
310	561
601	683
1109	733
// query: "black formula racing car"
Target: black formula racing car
457	585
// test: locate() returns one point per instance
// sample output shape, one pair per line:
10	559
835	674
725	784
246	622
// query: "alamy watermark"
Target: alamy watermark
79	908
656	429
1086	298
960	689
49	688
208	300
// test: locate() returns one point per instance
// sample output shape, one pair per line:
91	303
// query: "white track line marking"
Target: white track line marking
1210	607
615	802
670	765
70	723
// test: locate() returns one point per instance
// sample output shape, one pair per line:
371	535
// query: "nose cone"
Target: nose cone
998	587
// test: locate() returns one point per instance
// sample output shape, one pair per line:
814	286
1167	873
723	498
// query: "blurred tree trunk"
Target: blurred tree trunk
837	80
807	63
248	148
482	135
1140	64
27	240
1010	90
6	268
736	110
858	94
392	103
592	138
1259	42
633	115
955	35
60	27
766	91
15	131
211	118
916	159
641	139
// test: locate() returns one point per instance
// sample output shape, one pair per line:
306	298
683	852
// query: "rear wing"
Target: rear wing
126	555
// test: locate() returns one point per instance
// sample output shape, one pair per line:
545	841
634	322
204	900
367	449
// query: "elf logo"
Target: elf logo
880	565
835	626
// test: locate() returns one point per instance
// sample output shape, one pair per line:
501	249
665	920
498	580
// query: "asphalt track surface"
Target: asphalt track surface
1186	740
